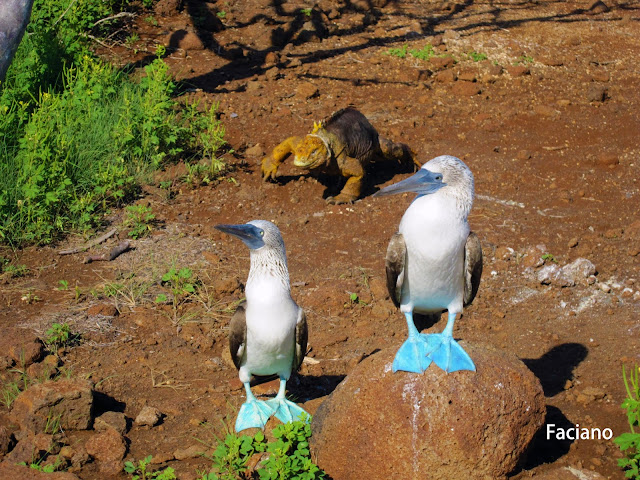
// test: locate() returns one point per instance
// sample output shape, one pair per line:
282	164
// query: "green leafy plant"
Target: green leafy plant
139	219
59	335
13	270
286	457
221	14
139	471
524	59
306	11
424	53
476	56
63	285
630	442
549	257
398	52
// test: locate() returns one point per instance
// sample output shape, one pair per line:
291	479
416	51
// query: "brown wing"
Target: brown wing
302	335
394	263
238	334
472	267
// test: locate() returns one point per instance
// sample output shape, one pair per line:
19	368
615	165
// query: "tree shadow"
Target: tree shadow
293	25
555	367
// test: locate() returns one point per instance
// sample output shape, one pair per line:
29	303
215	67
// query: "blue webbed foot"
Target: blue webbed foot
287	411
412	355
253	414
448	354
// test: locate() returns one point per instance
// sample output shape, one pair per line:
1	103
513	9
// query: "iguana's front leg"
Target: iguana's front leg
271	163
352	169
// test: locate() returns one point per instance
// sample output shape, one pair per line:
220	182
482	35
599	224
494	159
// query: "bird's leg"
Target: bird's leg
412	355
285	410
253	413
446	352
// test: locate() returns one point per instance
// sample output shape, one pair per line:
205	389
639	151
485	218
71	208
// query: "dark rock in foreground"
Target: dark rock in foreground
475	425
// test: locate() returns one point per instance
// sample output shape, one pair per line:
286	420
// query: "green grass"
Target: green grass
425	53
477	56
139	218
629	442
78	137
139	471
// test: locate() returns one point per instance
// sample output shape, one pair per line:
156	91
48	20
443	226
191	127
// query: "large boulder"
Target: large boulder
67	402
472	425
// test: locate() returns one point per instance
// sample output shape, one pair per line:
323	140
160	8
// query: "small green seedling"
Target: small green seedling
139	471
549	257
64	285
476	56
630	442
398	52
140	219
306	11
423	54
59	335
221	14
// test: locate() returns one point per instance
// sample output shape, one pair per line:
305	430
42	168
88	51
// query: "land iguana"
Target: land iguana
344	144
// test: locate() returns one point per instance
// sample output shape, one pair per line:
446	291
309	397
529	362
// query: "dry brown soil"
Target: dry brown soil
549	125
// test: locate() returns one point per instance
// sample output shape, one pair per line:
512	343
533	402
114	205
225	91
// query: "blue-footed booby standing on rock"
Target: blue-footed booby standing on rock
434	262
268	332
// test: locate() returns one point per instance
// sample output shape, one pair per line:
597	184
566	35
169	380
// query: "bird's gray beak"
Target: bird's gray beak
423	182
251	235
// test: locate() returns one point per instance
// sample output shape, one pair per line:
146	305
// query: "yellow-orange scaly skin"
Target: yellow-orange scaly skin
323	151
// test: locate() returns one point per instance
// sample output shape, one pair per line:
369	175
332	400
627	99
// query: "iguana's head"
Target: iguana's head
311	152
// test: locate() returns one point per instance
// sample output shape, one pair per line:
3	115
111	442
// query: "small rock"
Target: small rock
441	63
446	76
466	89
272	74
25	351
255	151
271	58
11	471
598	7
504	253
569	473
108	448
573	242
70	400
115	420
544	110
579	269
518	70
605	287
307	90
148	416
6	440
627	292
254	86
596	93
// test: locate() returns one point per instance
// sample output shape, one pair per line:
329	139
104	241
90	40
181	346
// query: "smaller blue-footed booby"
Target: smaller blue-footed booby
434	262
268	331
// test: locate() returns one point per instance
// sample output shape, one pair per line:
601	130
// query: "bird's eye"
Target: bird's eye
438	177
262	233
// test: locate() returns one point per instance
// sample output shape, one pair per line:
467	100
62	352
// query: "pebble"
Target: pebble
255	151
446	76
605	288
307	90
518	70
148	416
596	93
466	89
573	242
627	293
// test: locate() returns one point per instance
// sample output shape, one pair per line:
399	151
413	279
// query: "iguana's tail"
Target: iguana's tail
399	152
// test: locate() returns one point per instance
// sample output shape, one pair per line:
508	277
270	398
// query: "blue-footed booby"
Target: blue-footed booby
434	262
268	331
